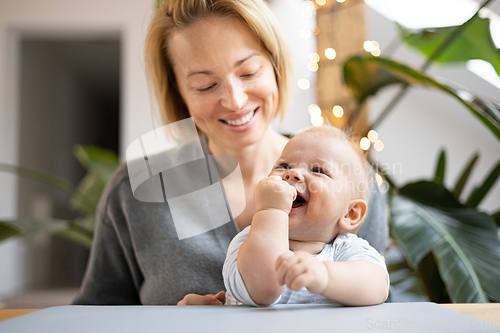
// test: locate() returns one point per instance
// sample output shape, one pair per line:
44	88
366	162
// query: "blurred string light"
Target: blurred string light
330	53
307	13
305	33
303	84
338	111
309	5
378	145
314	110
314	57
379	179
364	143
312	66
372	135
317	120
373	47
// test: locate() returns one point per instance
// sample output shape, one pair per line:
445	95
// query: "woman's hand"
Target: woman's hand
209	299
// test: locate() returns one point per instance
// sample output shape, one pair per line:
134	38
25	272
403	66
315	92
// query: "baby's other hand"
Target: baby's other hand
300	270
274	193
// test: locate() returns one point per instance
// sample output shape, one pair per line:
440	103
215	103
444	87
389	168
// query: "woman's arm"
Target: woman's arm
109	277
107	280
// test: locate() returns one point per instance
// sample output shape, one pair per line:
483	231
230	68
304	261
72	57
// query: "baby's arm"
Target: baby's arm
354	283
267	239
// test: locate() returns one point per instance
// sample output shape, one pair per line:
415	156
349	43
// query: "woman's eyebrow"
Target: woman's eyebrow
237	64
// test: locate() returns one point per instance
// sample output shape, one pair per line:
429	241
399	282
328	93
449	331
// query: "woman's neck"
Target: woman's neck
257	159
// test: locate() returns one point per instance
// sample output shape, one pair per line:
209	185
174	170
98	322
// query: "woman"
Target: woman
225	64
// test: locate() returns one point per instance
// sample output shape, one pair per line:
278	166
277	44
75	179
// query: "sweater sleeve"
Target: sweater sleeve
375	228
108	279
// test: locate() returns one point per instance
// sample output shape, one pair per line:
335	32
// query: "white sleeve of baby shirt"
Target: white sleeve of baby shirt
348	247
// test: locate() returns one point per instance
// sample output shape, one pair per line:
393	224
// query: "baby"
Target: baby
301	246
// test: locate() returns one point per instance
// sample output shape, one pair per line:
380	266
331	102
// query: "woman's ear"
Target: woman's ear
352	219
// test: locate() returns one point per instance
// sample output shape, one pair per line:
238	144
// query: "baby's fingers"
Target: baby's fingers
283	263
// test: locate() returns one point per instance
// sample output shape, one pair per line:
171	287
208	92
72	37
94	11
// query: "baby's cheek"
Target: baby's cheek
316	186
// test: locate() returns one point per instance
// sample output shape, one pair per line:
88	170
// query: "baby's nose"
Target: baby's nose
293	175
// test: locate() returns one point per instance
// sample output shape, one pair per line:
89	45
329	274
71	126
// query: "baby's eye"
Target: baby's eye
207	88
285	166
318	170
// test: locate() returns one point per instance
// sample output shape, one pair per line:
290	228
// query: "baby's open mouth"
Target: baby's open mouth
298	202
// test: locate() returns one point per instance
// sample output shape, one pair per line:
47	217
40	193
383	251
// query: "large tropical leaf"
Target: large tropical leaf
100	161
79	231
100	164
30	226
440	168
475	42
366	75
464	243
480	192
7	231
59	183
430	194
89	188
459	186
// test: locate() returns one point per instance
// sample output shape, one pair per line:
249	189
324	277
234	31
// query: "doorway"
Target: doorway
69	94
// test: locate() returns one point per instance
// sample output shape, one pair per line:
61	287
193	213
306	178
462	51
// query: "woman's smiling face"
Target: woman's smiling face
226	79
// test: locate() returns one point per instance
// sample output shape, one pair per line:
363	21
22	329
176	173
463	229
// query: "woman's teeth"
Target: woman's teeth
241	121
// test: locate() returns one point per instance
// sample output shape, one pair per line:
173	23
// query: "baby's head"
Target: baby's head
332	179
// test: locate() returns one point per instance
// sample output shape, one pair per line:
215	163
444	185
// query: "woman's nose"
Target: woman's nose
294	175
234	97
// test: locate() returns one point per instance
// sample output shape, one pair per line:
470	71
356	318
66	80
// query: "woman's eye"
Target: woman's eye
249	74
318	170
283	166
207	88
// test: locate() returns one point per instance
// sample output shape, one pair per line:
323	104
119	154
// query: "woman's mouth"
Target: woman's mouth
241	121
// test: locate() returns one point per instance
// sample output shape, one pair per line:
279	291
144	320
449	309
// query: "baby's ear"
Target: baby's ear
352	219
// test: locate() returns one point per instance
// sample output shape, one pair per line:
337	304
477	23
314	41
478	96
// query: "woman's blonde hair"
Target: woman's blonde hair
173	15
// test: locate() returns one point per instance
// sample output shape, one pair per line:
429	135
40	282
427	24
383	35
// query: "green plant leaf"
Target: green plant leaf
440	168
480	192
57	182
78	235
475	42
430	194
464	243
29	226
429	271
7	231
91	188
79	231
464	177
100	161
366	75
496	218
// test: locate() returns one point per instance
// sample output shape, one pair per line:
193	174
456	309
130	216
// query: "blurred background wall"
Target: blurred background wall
73	72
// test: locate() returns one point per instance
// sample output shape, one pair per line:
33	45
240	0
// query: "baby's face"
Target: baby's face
319	168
